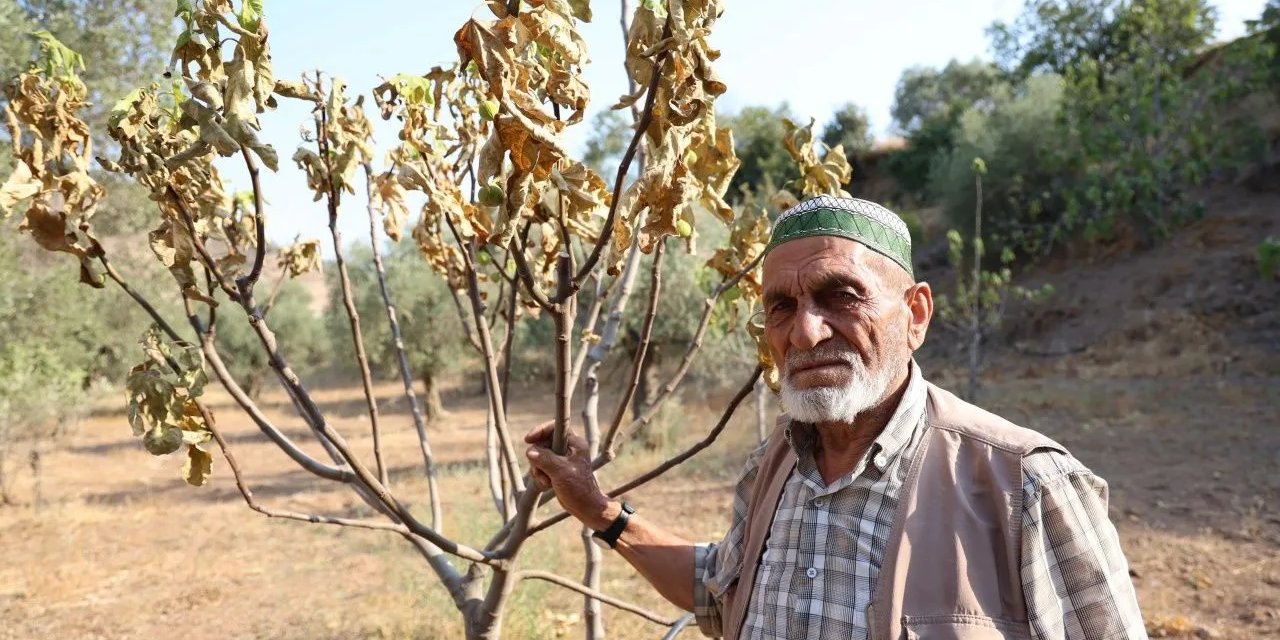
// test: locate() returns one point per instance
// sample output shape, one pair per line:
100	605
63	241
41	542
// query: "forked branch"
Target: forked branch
333	199
402	360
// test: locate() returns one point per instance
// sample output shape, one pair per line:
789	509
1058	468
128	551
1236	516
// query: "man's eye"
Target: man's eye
778	310
843	297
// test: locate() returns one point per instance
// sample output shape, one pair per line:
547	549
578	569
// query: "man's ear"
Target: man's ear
919	299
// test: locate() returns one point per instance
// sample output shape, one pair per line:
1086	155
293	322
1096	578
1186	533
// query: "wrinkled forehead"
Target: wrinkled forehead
800	264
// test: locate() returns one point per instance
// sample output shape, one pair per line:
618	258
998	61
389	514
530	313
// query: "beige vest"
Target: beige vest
952	567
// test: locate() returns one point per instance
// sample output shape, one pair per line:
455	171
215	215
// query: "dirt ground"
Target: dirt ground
1161	372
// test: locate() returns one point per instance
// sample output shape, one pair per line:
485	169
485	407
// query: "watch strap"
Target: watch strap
610	535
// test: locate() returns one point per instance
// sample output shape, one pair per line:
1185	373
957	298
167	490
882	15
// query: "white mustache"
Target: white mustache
822	353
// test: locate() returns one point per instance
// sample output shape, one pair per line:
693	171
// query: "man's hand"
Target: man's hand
664	559
570	476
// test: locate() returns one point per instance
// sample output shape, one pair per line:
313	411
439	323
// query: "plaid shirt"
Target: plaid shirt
827	543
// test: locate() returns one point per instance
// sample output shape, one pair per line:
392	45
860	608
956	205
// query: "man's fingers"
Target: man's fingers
542	435
577	445
543	480
544	460
540	432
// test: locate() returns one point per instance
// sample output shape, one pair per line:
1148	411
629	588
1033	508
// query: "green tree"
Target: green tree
1268	27
125	41
927	106
48	362
925	94
1142	131
1023	187
1061	36
976	305
757	134
849	127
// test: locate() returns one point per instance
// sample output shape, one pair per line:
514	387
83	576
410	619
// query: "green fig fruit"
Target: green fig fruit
492	195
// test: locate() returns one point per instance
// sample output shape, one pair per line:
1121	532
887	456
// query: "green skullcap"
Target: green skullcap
859	220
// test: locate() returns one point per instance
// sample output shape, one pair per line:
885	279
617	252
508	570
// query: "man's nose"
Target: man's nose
810	327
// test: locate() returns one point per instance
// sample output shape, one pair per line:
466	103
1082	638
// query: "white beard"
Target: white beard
834	404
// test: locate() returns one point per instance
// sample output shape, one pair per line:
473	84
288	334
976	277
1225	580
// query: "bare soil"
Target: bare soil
1159	369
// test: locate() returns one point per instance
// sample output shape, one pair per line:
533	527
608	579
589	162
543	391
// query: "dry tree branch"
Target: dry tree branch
530	574
424	539
642	349
602	293
333	197
312	414
679	626
624	168
211	321
291	515
466	323
205	256
490	365
508	341
137	297
499	487
674	461
514	533
517	251
415	408
264	424
237	394
686	362
563	319
245	284
434	556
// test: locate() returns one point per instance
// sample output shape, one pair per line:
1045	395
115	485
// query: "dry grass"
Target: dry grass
124	549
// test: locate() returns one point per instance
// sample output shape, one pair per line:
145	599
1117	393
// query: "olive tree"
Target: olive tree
482	142
425	313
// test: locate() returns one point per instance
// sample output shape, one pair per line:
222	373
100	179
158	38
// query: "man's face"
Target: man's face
839	322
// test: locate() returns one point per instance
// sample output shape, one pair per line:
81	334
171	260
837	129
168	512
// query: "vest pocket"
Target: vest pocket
963	627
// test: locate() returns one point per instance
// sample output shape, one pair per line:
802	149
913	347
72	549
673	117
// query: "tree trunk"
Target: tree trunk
253	384
4	483
431	397
37	488
648	381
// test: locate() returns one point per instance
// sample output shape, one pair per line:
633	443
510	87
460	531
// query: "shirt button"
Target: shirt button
811	572
881	460
818	502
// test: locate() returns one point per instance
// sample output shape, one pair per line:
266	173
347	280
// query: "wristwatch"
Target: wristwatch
609	537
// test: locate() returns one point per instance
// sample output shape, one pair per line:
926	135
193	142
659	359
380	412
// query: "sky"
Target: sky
813	54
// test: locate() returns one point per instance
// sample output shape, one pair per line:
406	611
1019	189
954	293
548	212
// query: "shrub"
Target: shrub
1016	136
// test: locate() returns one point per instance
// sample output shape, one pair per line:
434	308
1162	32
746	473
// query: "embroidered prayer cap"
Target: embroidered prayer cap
862	221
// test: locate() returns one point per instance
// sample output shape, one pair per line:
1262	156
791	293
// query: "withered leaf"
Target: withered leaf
20	186
199	466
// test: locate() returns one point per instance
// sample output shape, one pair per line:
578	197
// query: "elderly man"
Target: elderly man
881	507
